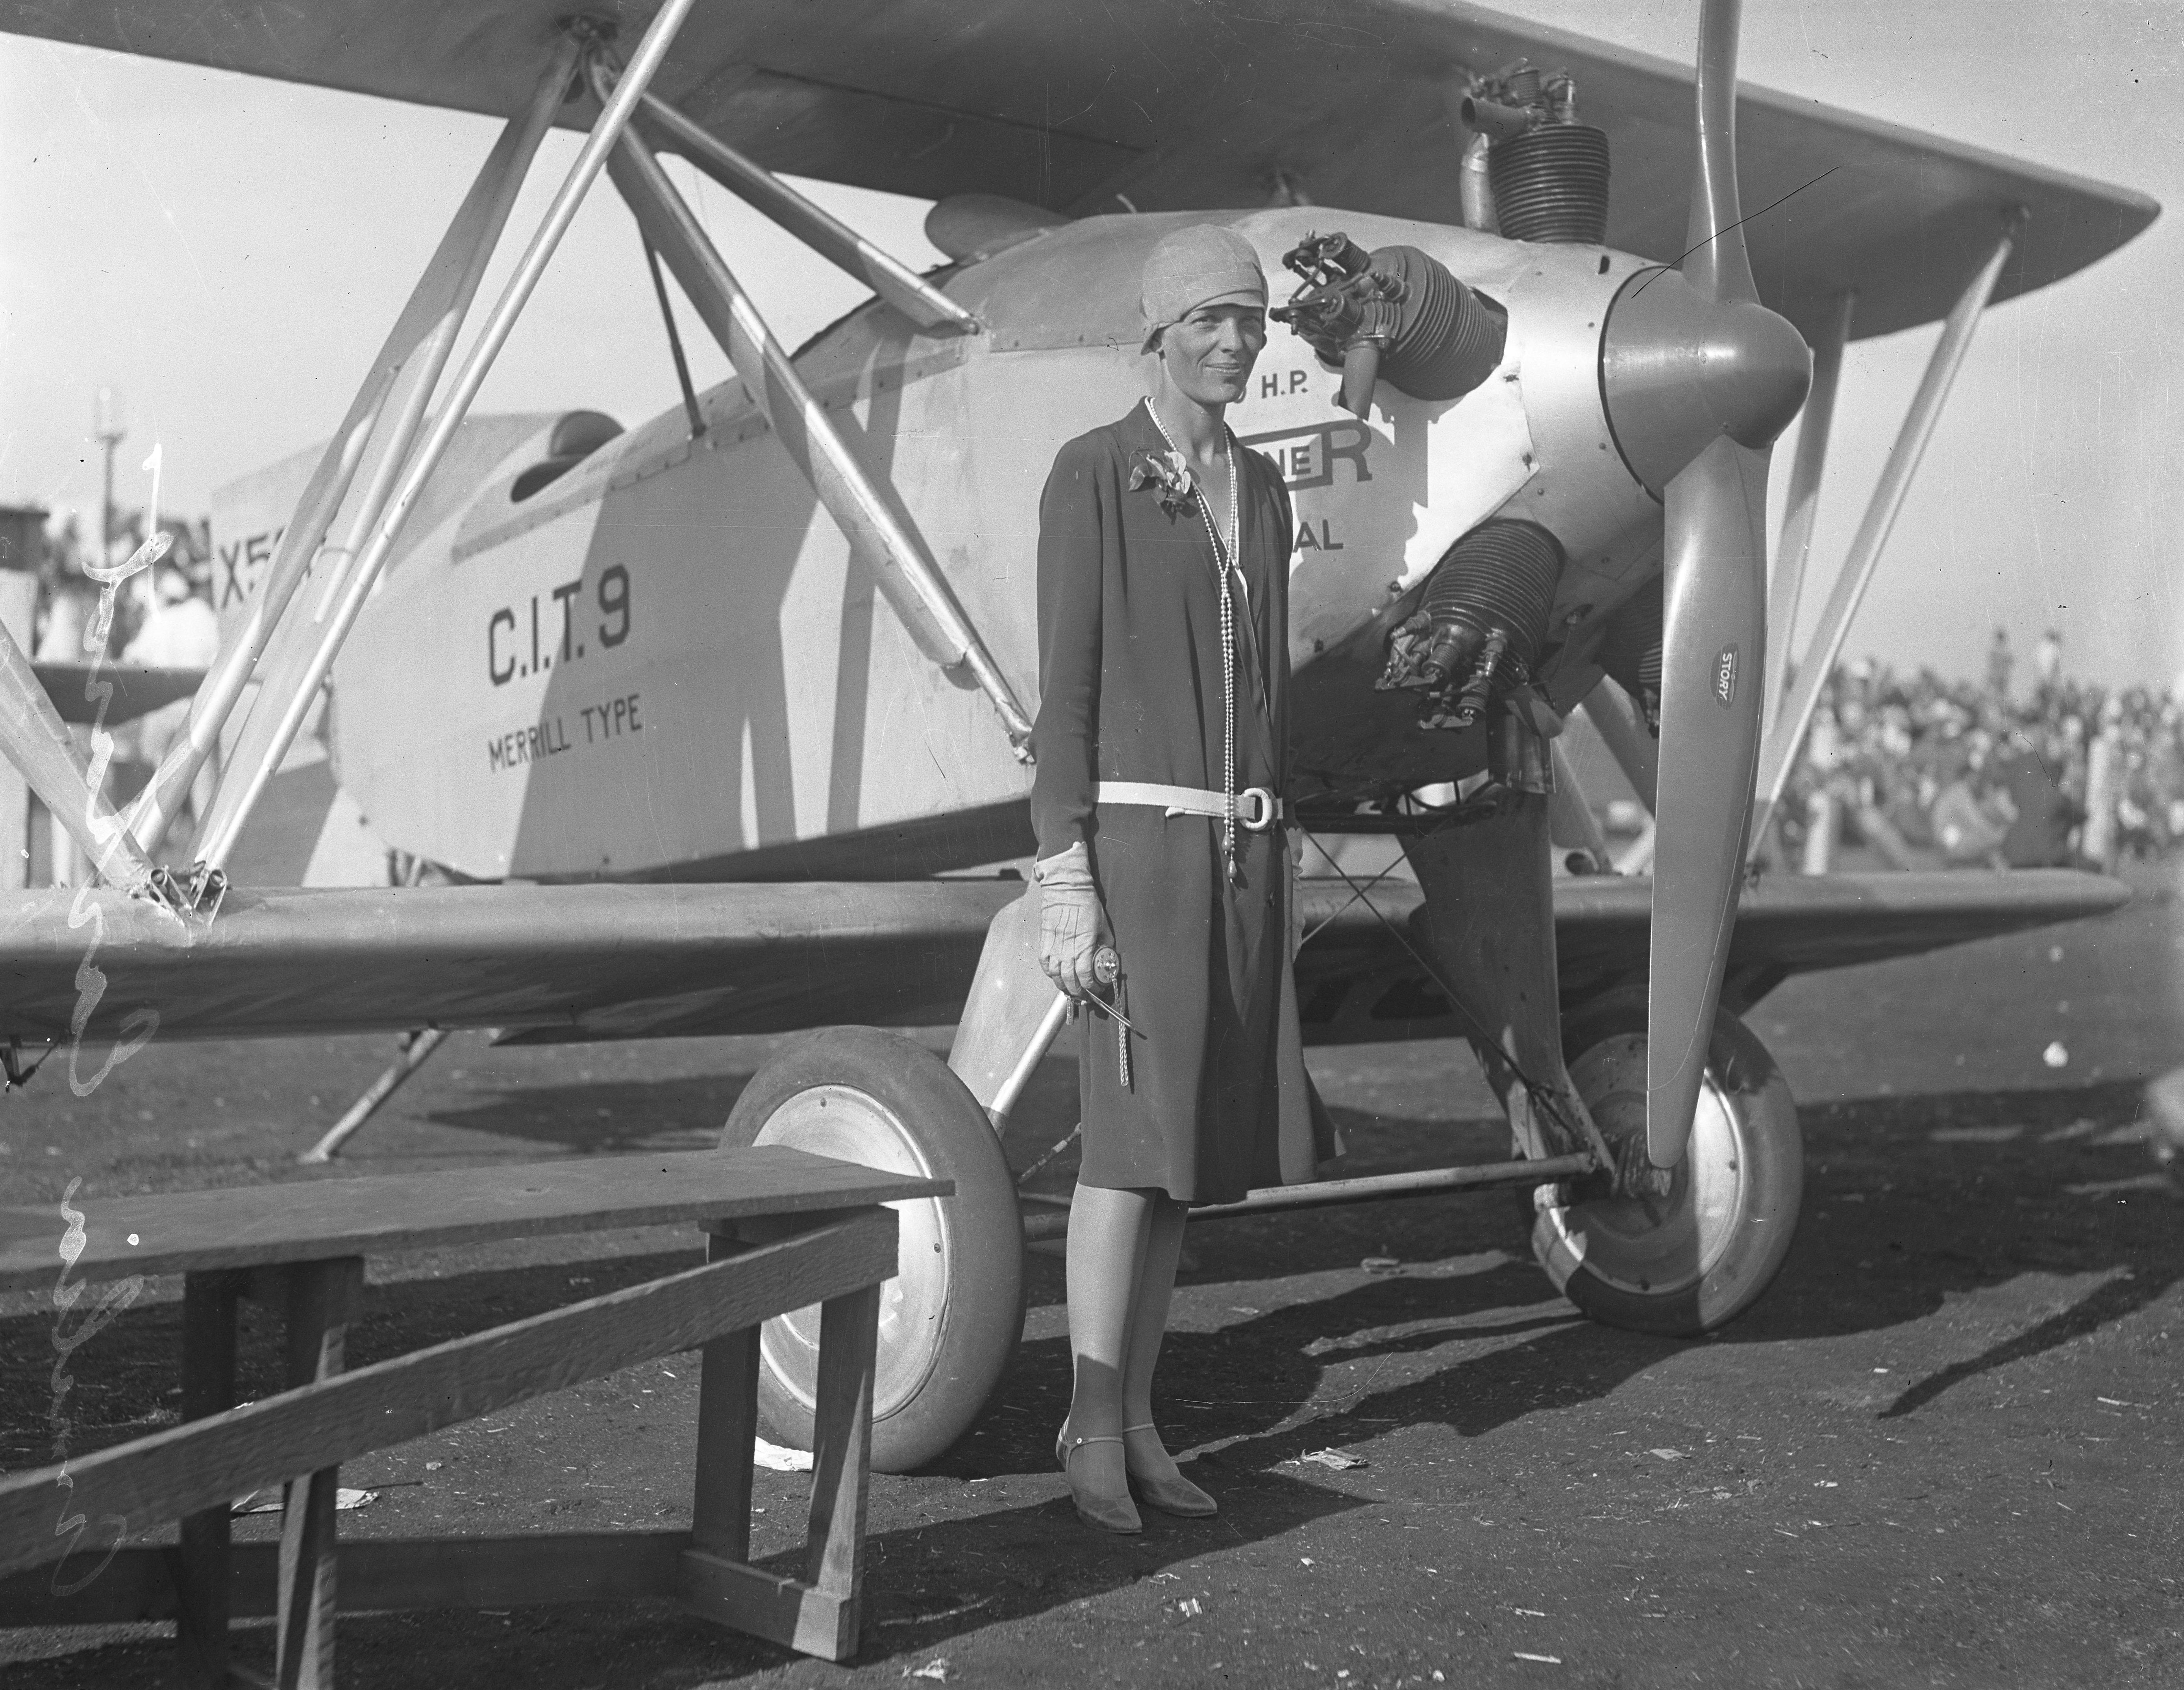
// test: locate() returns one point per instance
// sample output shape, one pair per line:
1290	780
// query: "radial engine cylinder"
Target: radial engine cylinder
1551	184
1548	174
1396	314
1481	624
1631	652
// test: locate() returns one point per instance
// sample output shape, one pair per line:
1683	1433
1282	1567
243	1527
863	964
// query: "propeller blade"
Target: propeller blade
1717	263
1713	656
1699	378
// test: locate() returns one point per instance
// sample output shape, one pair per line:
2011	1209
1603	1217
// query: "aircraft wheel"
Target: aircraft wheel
951	1317
1692	1255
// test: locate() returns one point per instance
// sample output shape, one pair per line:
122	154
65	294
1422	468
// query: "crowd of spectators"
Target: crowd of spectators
1990	773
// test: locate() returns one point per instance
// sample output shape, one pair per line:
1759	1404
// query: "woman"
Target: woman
1163	616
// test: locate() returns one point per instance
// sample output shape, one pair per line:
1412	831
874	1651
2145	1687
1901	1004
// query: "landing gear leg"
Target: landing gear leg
417	1051
1684	1250
1490	917
951	1317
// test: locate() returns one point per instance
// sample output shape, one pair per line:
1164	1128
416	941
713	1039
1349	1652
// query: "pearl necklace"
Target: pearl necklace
1224	565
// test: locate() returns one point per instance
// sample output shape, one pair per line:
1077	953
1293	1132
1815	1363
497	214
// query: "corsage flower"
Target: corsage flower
1168	474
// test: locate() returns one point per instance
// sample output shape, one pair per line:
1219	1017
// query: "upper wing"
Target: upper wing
556	962
1180	103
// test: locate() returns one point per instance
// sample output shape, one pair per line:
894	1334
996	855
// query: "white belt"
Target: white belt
1256	808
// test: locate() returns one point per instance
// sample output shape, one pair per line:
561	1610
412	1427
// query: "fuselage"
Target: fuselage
664	662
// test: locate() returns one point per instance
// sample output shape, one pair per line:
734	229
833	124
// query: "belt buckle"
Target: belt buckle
1265	809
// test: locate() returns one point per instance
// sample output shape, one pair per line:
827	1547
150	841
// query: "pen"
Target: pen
1107	968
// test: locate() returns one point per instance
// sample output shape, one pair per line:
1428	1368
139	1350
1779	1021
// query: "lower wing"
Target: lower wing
552	963
1358	981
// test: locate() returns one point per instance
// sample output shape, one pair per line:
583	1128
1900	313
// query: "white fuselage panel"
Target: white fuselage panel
668	658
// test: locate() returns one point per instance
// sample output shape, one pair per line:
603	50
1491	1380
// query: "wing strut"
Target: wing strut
1857	567
418	1045
416	348
826	235
1570	814
1796	545
338	613
882	539
1622	728
37	742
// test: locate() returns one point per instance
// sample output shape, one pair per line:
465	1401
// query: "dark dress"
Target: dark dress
1216	1101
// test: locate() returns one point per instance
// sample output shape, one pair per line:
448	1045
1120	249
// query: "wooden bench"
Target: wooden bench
300	1248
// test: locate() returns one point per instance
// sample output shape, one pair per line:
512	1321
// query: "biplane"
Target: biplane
720	723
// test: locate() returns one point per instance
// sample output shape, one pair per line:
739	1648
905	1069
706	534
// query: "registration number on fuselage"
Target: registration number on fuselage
556	628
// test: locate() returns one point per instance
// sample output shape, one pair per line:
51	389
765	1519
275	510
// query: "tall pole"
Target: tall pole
108	427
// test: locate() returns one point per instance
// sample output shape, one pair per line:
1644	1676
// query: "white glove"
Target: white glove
1070	923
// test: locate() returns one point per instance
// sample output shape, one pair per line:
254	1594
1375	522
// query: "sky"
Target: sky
227	252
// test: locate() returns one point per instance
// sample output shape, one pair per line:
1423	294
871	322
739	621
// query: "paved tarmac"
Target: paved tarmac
1943	1450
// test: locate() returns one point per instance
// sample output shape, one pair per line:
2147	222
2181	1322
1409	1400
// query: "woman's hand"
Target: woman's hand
1070	921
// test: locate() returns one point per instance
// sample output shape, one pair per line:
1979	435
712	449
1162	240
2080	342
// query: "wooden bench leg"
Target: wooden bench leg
317	1299
841	1471
727	1432
200	1566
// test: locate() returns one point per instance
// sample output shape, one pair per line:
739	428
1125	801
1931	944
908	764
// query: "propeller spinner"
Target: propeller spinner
1699	379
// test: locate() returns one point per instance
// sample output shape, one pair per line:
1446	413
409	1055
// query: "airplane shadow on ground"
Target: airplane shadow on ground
1912	1201
606	1117
930	1583
1239	1386
937	1581
1909	1201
